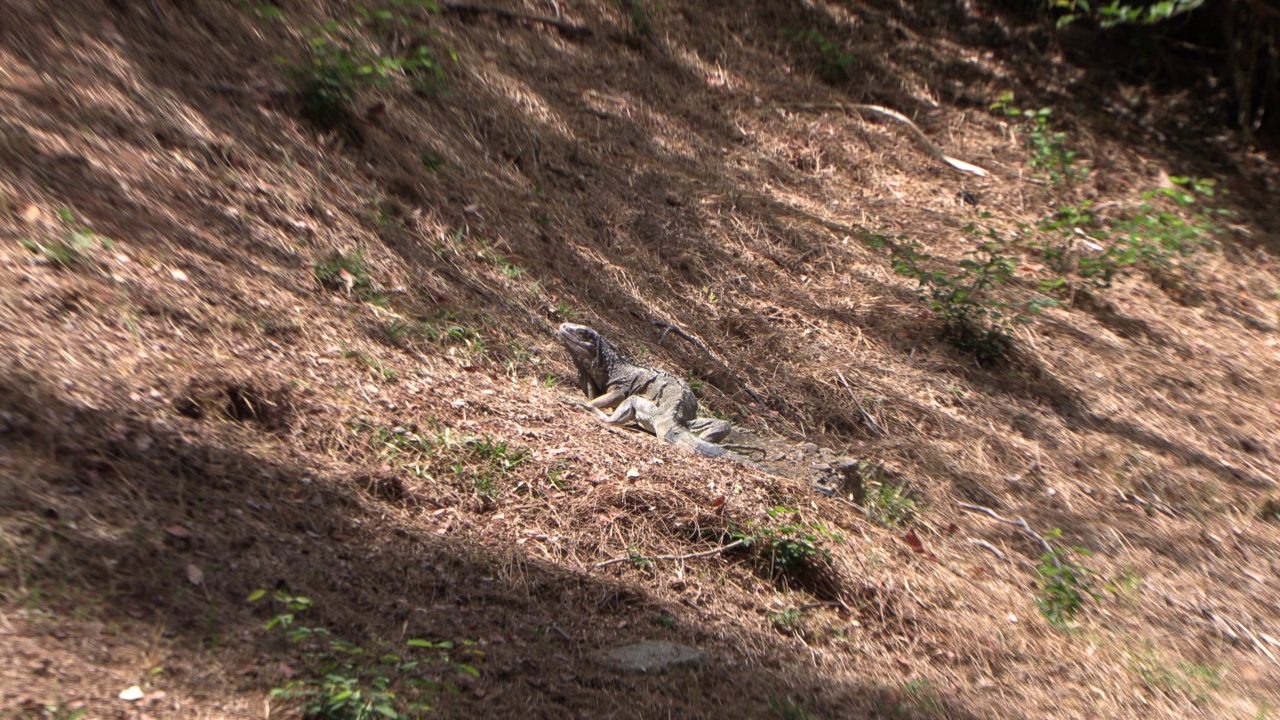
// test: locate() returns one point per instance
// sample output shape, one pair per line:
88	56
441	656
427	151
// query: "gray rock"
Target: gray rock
653	656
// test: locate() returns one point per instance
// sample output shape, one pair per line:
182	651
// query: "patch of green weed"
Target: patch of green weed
342	680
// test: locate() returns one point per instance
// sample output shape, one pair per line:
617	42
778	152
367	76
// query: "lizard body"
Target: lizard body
654	399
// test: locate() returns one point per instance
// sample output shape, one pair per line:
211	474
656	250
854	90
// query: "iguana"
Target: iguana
654	399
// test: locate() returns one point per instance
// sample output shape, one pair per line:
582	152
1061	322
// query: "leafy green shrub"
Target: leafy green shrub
1169	226
890	503
1067	585
339	680
73	246
640	17
832	61
975	319
1049	151
365	50
790	548
1115	13
344	271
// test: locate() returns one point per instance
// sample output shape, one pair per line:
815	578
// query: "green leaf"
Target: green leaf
256	595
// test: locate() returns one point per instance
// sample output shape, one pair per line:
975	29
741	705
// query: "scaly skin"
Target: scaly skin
656	400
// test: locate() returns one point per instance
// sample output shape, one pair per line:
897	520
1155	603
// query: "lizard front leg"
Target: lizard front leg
637	409
610	399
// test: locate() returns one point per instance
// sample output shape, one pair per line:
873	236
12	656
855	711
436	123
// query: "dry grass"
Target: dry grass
385	441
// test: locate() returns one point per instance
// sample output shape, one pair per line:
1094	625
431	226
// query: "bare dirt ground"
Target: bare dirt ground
197	402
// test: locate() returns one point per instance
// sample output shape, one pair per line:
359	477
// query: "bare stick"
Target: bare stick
668	328
921	139
829	603
567	28
875	426
707	553
1156	504
984	544
1020	524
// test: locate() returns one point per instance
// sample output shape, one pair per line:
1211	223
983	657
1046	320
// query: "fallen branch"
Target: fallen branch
1147	505
921	139
567	28
827	603
1020	524
875	426
668	328
692	556
984	544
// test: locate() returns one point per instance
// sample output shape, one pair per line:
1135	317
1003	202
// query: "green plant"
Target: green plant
974	317
1169	226
787	620
444	328
1066	586
791	547
73	245
1196	681
555	475
563	311
1115	13
55	710
832	63
640	17
344	271
890	503
373	364
1049	151
636	559
367	49
340	680
432	160
498	461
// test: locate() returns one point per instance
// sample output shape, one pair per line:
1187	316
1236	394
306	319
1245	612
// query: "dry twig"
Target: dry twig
668	328
876	428
1020	523
567	28
921	139
691	556
984	544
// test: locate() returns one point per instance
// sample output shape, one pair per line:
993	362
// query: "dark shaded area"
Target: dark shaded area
282	526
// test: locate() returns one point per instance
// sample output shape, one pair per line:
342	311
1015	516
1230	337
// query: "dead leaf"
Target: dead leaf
287	671
178	531
132	693
194	574
718	501
916	544
634	472
31	214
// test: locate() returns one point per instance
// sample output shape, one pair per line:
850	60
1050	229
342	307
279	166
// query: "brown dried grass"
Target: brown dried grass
671	183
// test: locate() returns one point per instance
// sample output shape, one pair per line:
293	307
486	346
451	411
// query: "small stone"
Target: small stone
653	656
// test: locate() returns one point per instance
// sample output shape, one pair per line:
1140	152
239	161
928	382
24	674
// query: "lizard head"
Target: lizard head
590	351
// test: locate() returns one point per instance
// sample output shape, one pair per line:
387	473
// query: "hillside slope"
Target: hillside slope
277	291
